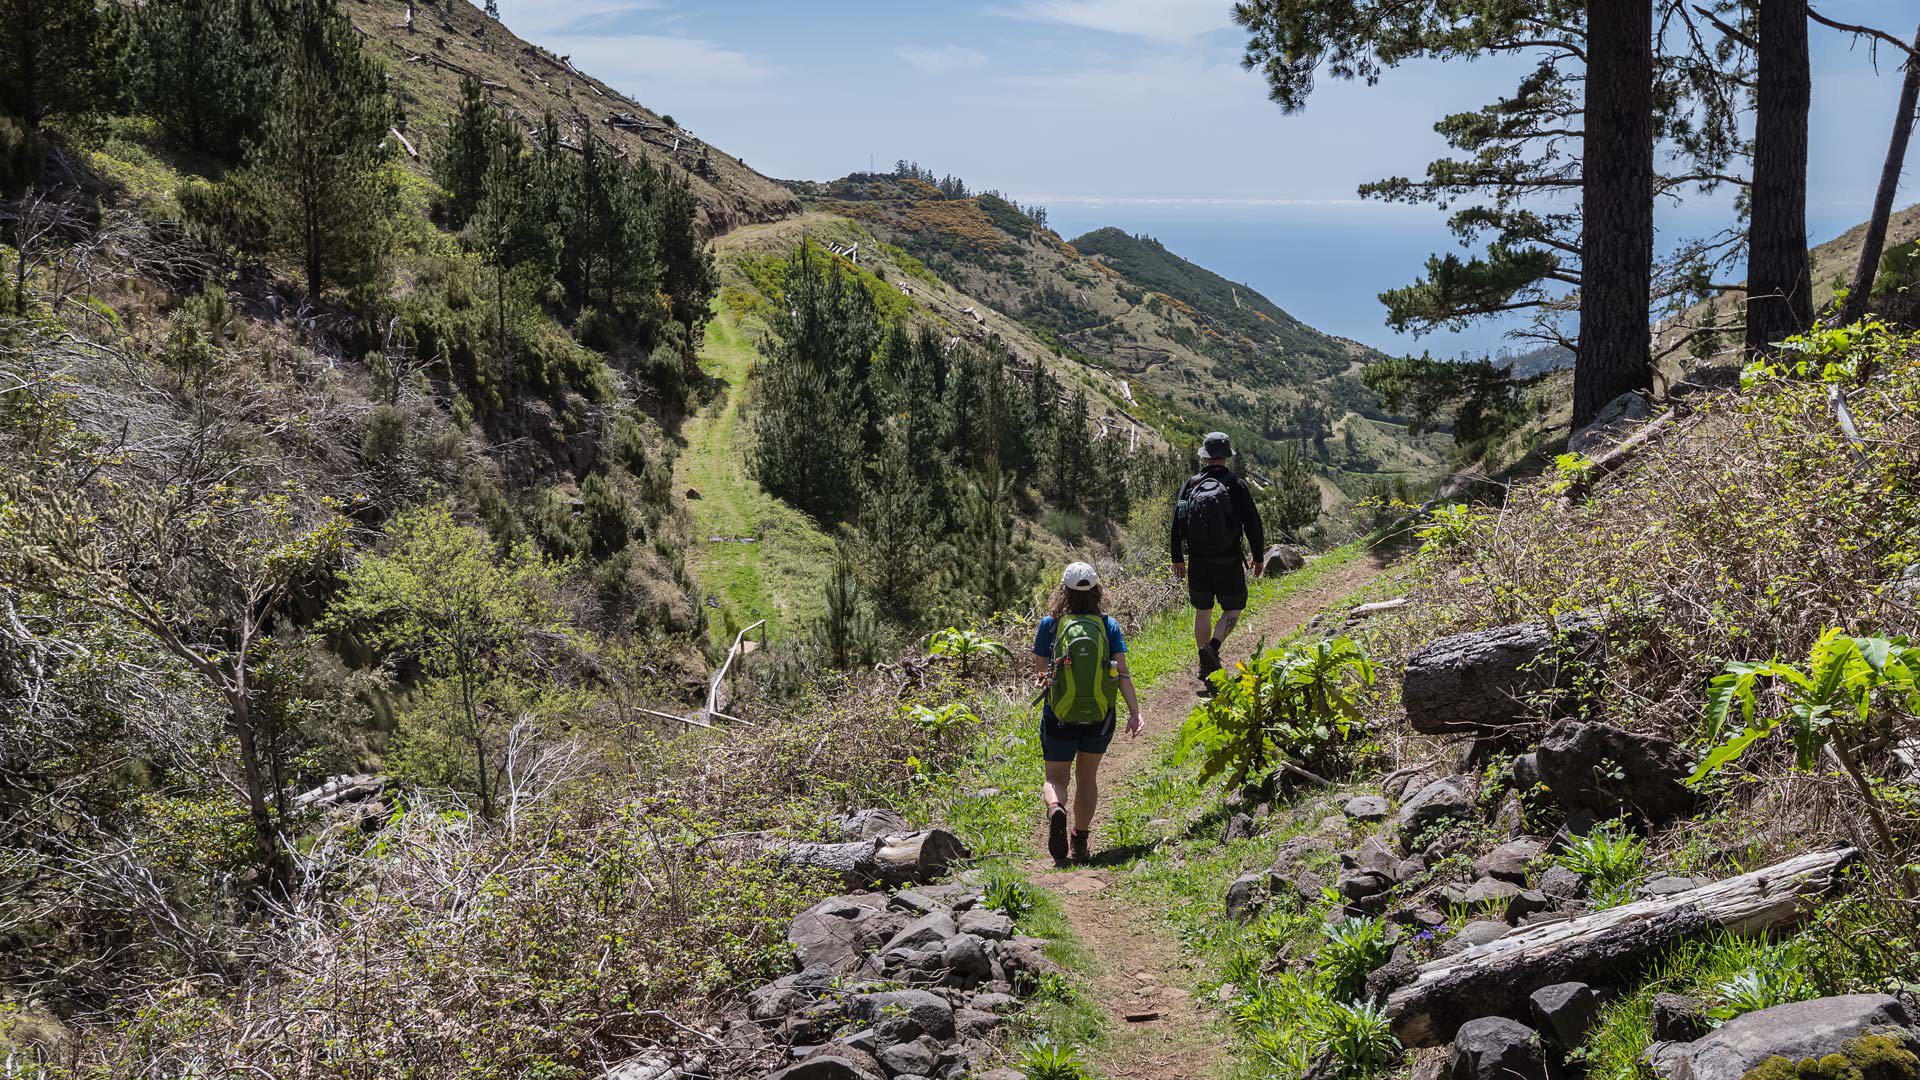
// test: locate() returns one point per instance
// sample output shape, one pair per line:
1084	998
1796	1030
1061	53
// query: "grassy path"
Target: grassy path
1134	961
779	574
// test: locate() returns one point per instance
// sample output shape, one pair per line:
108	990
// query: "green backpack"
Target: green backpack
1082	688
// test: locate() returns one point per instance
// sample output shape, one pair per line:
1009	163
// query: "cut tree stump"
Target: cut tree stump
1494	979
892	860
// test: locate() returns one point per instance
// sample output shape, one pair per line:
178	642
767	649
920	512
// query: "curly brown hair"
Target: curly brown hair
1067	601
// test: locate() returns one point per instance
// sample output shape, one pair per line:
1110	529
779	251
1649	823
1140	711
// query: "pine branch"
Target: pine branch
1865	31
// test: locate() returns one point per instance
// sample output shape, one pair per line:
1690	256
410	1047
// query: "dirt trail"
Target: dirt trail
1138	967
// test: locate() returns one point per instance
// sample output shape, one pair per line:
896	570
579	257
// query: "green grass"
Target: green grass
779	577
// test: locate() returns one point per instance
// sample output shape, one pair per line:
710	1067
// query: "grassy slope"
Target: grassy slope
779	577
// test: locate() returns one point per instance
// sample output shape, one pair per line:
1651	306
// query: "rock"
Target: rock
1358	885
996	1003
1025	960
1566	1009
837	932
1562	883
914	902
1478	752
1527	903
986	923
976	1024
1409	869
1239	827
1244	897
1678	1018
1282	559
1003	1074
1424	918
928	931
1372	855
1665	885
1509	861
871	823
1396	784
1496	1048
1486	681
1478	932
915	1057
1489	893
1607	771
1299	850
1524	773
1434	803
1614	422
927	1009
839	1065
1367	808
693	493
965	958
1802	1029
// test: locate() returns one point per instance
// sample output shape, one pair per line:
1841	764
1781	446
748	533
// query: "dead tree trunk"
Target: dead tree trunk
1494	979
1876	241
890	861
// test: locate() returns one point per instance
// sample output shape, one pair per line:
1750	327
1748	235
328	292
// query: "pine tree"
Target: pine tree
209	83
897	543
808	431
1292	501
687	274
53	55
992	563
324	150
1069	454
1779	273
845	634
467	151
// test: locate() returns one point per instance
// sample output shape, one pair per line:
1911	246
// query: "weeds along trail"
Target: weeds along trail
1138	972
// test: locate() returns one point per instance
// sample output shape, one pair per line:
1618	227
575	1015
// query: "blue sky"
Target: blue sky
1133	113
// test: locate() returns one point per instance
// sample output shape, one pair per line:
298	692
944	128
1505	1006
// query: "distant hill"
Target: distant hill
1190	349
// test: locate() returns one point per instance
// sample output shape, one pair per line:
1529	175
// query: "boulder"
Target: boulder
1496	1048
1239	827
1566	1009
1358	885
838	1064
986	923
1524	773
837	932
1398	783
976	1023
1486	681
1526	904
1434	803
1678	1018
1372	855
1488	893
996	1003
917	1057
965	959
1509	861
1802	1029
1562	884
928	1010
1611	425
915	902
928	931
1367	808
1607	772
1024	959
1282	559
1244	896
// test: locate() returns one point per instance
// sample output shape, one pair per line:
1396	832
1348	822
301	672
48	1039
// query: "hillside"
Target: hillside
1192	350
429	51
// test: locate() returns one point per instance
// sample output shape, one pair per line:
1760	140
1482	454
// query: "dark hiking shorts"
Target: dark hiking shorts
1060	742
1224	580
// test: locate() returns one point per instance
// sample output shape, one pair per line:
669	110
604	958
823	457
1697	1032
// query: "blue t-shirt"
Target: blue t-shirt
1043	640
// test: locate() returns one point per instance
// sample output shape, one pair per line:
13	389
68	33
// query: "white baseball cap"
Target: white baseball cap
1080	577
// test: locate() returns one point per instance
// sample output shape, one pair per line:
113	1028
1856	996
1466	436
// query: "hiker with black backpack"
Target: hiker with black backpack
1211	512
1080	658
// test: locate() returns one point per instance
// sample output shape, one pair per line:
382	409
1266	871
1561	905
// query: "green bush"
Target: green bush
1353	949
1612	859
1294	703
1045	1059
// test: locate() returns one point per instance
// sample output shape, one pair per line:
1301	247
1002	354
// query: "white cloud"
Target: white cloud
1156	20
640	63
535	20
943	58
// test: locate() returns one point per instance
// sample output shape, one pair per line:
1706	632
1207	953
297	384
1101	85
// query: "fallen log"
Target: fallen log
892	860
1495	979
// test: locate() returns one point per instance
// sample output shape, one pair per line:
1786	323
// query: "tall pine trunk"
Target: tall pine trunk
1779	278
1876	241
1616	177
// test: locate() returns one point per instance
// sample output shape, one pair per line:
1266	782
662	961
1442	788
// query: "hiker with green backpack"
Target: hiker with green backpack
1080	657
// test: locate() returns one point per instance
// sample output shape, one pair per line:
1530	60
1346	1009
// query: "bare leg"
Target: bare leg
1203	626
1054	790
1228	620
1086	790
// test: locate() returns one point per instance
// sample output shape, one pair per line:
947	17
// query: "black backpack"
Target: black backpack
1213	528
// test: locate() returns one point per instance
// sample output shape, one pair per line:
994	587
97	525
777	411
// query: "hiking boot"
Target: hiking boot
1057	833
1209	661
1080	852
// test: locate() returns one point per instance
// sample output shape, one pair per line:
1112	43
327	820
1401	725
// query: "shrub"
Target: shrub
1611	857
1359	1040
1045	1059
1354	947
1758	988
1010	895
1293	703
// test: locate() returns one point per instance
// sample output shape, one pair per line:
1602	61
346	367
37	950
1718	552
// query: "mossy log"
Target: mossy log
1494	979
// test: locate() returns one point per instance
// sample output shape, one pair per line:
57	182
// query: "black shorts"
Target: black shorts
1224	580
